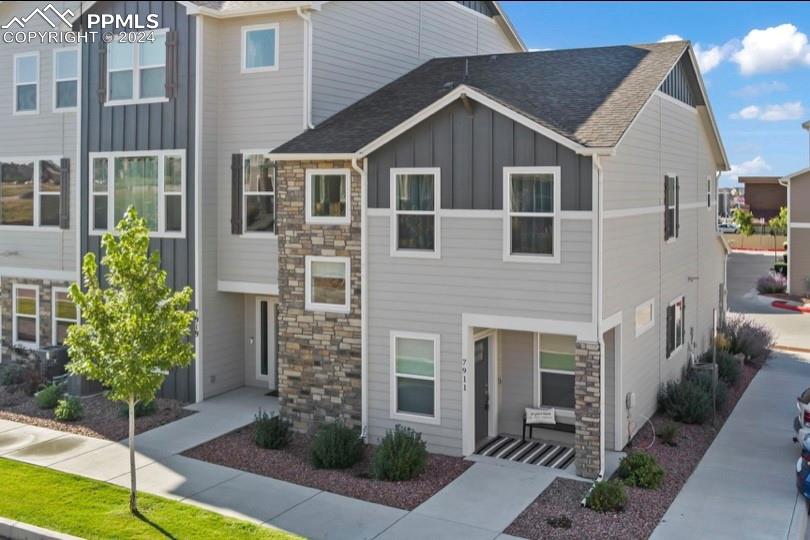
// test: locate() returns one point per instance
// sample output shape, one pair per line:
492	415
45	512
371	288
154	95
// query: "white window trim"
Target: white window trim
538	370
37	192
243	60
309	305
15	84
56	53
679	346
136	78
257	234
640	330
508	256
14	315
435	253
329	220
54	318
111	218
675	205
412	417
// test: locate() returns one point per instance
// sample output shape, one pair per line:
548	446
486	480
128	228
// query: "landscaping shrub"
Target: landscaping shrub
271	431
748	337
668	433
142	408
704	381
12	374
728	367
401	456
639	469
722	341
607	496
772	283
685	401
48	397
336	446
68	409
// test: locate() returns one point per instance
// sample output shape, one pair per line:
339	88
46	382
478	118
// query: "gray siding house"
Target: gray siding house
515	253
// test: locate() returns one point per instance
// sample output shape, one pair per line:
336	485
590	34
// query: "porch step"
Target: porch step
530	452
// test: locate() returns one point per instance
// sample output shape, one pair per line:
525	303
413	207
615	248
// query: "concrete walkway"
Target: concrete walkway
479	504
744	487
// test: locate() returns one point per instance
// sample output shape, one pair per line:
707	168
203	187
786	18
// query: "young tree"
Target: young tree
778	224
744	220
133	330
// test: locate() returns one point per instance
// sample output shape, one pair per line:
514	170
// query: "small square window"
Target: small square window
327	284
327	196
645	317
260	48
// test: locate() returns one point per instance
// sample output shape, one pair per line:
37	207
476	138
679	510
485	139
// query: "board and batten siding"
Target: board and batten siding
430	295
638	265
472	149
144	127
358	47
46	134
799	259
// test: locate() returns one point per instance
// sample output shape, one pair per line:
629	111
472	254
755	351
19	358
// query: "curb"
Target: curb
17	530
786	348
798	522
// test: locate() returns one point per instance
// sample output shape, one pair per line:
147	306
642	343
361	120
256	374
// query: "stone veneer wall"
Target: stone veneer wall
587	409
45	304
319	354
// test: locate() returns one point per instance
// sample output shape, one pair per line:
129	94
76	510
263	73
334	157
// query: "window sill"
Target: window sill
644	329
329	221
675	351
417	418
416	254
66	110
115	103
535	259
30	228
152	234
24	113
28	345
259	235
328	308
264	69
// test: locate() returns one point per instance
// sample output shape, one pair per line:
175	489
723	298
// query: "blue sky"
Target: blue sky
755	56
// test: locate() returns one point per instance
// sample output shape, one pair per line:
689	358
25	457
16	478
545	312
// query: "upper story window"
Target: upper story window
136	72
532	222
152	182
259	194
645	316
260	48
327	284
676	327
65	314
65	79
672	218
26	83
414	387
25	320
415	197
327	196
31	192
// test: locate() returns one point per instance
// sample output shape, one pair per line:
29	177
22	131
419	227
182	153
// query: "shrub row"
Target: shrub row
741	335
690	399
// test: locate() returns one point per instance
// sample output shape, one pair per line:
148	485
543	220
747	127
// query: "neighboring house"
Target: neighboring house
39	93
764	196
501	232
798	188
181	128
724	202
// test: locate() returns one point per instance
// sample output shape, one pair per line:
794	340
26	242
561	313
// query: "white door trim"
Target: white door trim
492	370
271	342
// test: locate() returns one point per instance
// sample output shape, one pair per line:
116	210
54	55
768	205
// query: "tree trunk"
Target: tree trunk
133	493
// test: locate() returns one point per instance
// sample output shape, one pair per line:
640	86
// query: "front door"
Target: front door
265	341
481	390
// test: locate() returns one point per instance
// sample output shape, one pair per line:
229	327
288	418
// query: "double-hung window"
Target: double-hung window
327	284
672	221
415	227
260	48
30	192
557	367
152	182
64	313
259	194
531	228
25	321
65	79
415	377
328	196
136	72
676	326
26	83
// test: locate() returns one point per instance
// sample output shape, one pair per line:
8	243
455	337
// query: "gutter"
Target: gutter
307	71
363	297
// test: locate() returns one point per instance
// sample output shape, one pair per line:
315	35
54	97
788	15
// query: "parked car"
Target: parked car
728	228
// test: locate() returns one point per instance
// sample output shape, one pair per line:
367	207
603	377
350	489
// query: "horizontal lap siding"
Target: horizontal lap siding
799	272
423	295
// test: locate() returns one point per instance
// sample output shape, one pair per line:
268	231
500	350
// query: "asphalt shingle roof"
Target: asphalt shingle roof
589	96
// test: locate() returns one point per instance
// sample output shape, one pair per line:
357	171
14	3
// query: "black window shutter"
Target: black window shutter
171	64
236	193
667	224
670	329
677	207
102	73
64	195
683	320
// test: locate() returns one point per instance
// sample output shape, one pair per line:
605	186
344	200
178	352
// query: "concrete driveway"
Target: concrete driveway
792	329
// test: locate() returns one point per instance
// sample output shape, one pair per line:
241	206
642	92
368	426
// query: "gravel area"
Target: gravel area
291	464
101	417
645	507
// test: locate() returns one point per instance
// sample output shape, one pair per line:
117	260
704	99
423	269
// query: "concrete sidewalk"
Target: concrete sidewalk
744	487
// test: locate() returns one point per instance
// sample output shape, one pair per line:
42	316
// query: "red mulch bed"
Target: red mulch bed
101	417
237	450
645	507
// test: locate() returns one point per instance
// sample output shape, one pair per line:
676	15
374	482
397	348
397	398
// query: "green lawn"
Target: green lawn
92	509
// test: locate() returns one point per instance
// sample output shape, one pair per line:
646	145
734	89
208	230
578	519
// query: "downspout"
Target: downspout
307	70
363	296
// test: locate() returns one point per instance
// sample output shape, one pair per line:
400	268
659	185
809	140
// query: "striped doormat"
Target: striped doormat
532	452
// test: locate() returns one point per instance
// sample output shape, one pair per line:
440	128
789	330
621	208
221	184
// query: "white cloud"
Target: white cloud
759	89
792	110
670	37
751	167
775	48
709	58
